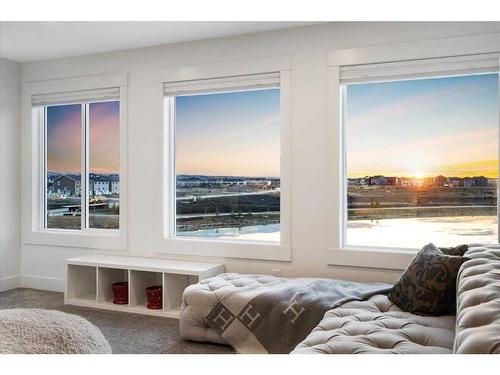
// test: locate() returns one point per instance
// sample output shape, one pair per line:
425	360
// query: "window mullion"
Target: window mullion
498	150
343	146
43	151
84	168
172	189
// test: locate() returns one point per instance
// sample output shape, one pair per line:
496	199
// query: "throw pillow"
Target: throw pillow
457	250
428	285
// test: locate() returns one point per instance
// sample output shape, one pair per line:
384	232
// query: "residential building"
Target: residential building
69	185
378	180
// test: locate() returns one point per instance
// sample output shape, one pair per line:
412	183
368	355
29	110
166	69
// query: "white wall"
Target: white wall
42	266
10	171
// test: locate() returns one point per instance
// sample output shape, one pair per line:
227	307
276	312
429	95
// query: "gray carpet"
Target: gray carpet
126	333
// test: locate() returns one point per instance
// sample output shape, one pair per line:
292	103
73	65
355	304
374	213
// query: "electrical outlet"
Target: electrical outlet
276	272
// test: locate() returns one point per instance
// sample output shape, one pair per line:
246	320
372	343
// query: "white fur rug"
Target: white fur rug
37	331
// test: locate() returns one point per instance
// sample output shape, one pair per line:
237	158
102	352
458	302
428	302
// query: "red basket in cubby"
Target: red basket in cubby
154	296
120	293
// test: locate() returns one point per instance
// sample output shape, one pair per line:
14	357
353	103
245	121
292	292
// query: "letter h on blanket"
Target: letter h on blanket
226	320
295	312
246	314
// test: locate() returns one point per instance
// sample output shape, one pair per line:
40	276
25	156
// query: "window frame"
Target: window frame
34	163
261	250
339	254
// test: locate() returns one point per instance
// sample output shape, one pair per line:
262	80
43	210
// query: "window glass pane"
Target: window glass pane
422	162
104	165
228	165
63	137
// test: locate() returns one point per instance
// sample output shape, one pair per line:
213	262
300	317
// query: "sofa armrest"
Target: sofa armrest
478	302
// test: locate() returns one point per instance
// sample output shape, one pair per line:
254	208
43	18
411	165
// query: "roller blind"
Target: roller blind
248	82
450	66
75	96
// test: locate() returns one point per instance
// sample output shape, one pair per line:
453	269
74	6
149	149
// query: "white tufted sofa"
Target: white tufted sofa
376	325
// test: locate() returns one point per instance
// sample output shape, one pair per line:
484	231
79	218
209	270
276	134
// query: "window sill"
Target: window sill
93	240
225	249
366	257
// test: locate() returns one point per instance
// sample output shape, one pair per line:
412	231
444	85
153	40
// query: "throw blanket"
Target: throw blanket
276	318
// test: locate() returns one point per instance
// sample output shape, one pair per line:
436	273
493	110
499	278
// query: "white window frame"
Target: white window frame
377	257
33	177
213	247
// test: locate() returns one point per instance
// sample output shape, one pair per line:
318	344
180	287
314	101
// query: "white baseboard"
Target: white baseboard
44	283
10	282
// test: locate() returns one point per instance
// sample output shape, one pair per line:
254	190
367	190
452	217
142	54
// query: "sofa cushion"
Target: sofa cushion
478	302
378	326
428	285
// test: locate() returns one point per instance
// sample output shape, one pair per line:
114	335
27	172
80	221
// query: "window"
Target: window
104	164
421	153
63	155
81	152
226	158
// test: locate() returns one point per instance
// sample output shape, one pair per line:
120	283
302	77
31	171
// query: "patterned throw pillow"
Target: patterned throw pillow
457	250
428	285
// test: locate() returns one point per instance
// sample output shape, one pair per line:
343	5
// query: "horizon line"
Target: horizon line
225	175
423	177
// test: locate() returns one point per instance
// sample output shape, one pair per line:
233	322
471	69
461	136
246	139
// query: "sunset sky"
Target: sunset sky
229	134
104	131
427	127
64	138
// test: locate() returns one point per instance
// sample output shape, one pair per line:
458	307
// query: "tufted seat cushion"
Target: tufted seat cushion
200	299
478	302
378	326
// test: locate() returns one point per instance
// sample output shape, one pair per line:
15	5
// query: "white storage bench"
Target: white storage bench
89	279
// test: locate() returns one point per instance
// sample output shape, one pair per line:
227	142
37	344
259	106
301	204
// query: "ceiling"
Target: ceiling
31	41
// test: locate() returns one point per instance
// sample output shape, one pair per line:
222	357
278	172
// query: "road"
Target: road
263	192
414	208
189	216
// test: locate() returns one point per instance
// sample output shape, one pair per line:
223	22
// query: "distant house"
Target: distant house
99	186
393	181
354	181
468	182
114	184
364	180
455	182
50	187
481	181
428	181
441	181
407	181
67	185
104	185
378	180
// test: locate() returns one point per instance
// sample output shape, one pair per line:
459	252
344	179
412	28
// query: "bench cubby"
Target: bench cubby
89	279
81	284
